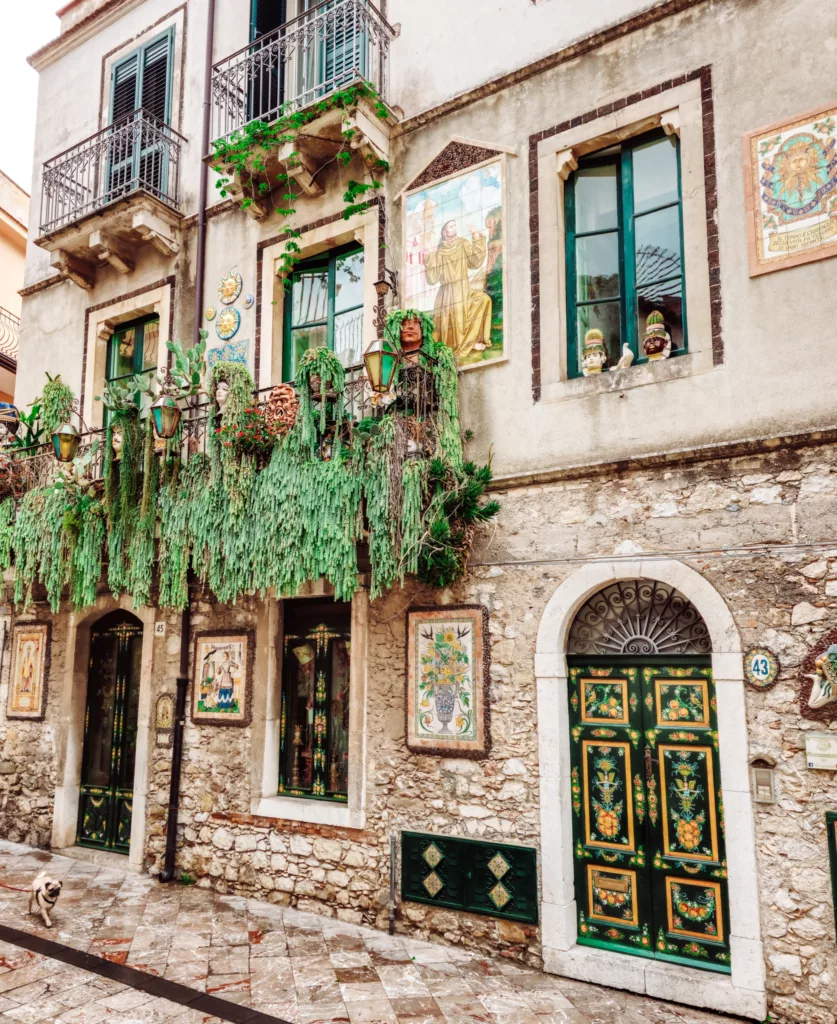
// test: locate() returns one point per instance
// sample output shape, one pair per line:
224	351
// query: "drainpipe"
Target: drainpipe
204	179
167	874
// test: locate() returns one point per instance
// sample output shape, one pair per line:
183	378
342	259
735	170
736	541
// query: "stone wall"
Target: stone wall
28	749
759	528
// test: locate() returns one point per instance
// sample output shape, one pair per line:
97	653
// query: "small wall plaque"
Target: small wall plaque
159	629
821	750
165	711
761	667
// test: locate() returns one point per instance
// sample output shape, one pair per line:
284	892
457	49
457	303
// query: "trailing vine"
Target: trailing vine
244	525
245	155
56	404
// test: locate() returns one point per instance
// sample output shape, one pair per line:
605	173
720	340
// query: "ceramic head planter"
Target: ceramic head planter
411	335
595	354
824	689
222	393
116	443
657	341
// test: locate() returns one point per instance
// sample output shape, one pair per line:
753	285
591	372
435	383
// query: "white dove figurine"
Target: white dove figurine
625	359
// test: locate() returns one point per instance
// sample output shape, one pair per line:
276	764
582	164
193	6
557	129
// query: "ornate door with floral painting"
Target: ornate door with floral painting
110	733
648	829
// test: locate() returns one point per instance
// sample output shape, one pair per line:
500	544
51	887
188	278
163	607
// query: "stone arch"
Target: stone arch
742	992
70	726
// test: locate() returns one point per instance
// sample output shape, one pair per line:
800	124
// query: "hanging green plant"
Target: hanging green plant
320	381
245	156
56	403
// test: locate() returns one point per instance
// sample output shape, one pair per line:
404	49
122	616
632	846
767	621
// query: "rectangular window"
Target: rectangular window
142	80
624	247
133	349
324	308
314	739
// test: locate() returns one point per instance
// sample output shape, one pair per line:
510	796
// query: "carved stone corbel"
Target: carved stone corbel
155	230
566	163
670	122
73	268
111	250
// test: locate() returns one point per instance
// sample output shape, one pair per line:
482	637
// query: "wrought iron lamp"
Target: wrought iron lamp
65	442
381	359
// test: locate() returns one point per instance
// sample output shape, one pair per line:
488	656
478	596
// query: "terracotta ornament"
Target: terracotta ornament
595	354
657	341
625	359
824	689
411	337
282	407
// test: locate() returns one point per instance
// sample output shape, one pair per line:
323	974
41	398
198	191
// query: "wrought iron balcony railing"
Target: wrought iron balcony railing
9	336
326	49
25	469
139	153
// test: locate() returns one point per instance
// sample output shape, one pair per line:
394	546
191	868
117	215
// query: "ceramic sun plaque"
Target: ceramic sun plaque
223	672
28	680
791	191
230	288
447	681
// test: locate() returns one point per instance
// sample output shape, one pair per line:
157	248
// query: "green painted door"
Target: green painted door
648	828
110	734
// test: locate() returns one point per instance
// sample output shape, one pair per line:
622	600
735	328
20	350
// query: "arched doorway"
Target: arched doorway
649	850
110	733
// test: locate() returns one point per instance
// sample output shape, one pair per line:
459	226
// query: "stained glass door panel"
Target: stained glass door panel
650	872
110	732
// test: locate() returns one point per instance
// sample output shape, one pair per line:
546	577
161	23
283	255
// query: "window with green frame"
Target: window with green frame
324	308
133	349
624	246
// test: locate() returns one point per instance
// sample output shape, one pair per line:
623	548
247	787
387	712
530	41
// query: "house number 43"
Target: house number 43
761	667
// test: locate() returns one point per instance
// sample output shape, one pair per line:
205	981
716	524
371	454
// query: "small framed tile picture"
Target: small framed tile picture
223	677
447	674
28	678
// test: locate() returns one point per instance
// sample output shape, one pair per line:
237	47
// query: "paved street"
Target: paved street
289	965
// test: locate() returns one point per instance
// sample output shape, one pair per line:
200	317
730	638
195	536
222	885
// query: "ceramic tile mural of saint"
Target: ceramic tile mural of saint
447	674
222	678
791	178
454	260
27	685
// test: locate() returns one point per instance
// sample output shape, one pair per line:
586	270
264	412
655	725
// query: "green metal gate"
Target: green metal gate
110	734
648	824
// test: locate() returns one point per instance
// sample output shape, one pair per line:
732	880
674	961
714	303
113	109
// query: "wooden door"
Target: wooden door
648	830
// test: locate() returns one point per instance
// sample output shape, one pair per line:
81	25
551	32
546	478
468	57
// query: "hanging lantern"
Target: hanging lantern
165	413
65	441
380	359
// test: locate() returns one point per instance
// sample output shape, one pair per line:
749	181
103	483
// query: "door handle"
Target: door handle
649	764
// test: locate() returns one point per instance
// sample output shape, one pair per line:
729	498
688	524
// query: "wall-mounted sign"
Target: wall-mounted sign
159	629
821	750
761	667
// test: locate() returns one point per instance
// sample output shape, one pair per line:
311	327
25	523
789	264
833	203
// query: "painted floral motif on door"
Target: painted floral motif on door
648	781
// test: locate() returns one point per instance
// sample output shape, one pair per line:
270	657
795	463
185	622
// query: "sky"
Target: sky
27	25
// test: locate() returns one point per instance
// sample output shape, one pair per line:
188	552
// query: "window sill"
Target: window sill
313	812
616	381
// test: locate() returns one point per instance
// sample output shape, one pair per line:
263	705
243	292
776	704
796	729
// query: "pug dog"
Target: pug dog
43	895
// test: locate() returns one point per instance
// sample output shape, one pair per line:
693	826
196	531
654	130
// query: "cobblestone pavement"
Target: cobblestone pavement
298	967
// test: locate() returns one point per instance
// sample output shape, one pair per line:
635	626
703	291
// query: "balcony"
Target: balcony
328	49
110	193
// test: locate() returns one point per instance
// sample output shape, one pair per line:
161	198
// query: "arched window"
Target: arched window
639	617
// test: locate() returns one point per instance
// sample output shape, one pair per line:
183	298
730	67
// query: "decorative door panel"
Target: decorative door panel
688	867
647	815
110	730
609	807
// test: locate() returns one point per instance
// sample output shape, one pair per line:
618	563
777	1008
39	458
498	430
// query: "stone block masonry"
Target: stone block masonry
760	528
